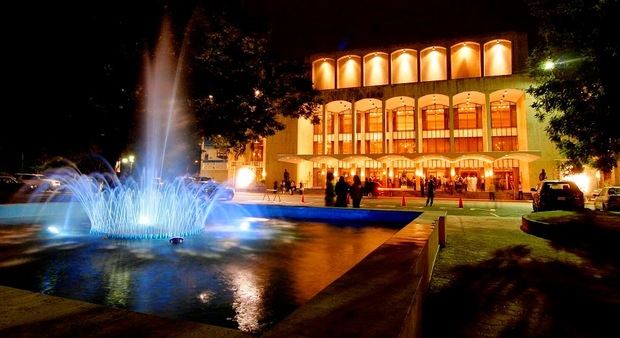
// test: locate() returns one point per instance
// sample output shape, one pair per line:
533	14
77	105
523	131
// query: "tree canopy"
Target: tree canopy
575	66
239	88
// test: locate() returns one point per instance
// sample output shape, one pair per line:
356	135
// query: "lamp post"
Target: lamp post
131	159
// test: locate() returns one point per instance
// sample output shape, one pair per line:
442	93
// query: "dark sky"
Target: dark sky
73	69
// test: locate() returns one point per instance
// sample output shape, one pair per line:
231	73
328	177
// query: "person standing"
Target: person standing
356	191
342	190
491	190
329	190
542	176
287	180
520	195
430	191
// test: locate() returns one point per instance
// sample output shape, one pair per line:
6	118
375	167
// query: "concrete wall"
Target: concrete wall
284	142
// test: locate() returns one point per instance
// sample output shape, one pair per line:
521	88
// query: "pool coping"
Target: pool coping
379	296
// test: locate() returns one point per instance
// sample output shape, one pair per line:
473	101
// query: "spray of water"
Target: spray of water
146	208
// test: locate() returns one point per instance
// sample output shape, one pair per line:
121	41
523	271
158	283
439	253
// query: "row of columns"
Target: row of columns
486	128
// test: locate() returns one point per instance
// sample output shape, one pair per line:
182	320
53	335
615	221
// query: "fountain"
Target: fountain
141	208
240	272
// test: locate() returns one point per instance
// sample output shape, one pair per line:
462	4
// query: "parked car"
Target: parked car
38	181
608	199
557	195
212	189
9	186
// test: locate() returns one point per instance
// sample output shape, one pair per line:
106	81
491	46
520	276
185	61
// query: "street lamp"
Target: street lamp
131	159
548	65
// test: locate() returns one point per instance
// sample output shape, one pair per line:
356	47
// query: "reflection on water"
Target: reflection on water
247	299
246	277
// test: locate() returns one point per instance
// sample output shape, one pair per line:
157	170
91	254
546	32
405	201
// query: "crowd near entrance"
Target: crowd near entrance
503	176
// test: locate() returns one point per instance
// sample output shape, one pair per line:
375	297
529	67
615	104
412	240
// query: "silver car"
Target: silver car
38	181
608	199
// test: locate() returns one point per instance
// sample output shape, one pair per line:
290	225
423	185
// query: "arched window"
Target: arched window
504	126
403	118
435	132
324	74
468	128
497	58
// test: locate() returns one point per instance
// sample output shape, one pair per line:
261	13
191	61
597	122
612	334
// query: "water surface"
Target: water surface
247	275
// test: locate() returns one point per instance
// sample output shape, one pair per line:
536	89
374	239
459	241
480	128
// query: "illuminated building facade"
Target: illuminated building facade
448	109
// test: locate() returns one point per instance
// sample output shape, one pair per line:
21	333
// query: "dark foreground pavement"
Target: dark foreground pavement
494	280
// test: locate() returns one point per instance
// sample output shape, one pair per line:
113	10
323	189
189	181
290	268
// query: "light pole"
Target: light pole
131	159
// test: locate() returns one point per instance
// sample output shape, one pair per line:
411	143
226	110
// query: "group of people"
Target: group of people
288	185
342	190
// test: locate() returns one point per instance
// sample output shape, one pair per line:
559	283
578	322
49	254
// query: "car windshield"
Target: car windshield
559	188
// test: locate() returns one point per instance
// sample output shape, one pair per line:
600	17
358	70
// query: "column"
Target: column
418	128
336	120
486	124
354	131
363	133
389	131
451	122
324	119
383	127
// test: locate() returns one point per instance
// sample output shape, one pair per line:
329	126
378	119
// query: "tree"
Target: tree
575	66
240	90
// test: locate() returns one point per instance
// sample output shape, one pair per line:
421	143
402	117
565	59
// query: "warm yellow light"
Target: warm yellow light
131	158
452	172
548	65
581	180
375	70
404	68
433	64
498	59
323	74
124	160
598	175
245	177
349	73
465	61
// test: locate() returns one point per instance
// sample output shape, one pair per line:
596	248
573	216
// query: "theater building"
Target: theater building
450	108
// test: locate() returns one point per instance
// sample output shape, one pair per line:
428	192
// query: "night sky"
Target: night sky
75	70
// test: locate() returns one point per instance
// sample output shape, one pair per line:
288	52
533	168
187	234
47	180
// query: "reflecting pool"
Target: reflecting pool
247	274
